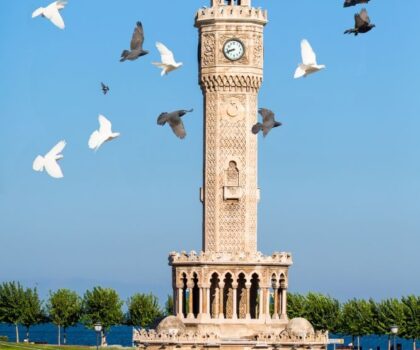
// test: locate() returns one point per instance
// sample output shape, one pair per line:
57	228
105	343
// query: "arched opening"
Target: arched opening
241	296
214	295
272	291
254	296
196	296
282	296
184	295
228	296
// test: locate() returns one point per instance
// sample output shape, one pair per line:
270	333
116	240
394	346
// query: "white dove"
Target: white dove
102	135
168	63
308	65
52	13
49	161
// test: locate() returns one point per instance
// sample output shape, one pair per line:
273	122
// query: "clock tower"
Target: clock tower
229	295
231	72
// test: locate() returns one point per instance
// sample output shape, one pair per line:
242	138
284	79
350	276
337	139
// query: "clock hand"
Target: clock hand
229	51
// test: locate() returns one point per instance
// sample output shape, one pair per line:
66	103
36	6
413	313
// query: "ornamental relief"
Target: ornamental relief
208	52
233	107
258	50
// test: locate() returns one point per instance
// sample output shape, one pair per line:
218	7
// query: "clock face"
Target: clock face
234	49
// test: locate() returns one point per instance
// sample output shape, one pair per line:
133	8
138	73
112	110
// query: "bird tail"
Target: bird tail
94	140
276	124
300	72
124	55
257	128
38	164
350	31
162	119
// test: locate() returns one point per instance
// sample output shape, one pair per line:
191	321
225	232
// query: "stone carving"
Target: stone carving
232	174
240	83
208	48
258	49
236	256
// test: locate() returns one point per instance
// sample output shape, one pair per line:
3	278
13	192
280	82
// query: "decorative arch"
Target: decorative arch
254	296
214	295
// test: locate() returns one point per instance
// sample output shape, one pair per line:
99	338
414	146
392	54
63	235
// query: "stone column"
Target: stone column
216	302
267	304
200	297
179	304
235	301
190	286
221	291
261	303
283	313
276	303
248	300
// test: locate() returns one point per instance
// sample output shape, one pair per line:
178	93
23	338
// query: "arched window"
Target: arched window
214	295
184	295
254	296
196	296
228	296
241	297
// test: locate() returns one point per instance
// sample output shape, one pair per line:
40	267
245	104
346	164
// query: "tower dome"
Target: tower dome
300	327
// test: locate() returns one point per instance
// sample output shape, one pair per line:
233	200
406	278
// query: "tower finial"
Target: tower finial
217	3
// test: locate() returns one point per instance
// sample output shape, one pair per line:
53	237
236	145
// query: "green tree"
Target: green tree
102	305
12	300
33	312
356	319
295	305
64	308
322	311
390	312
169	306
411	306
143	310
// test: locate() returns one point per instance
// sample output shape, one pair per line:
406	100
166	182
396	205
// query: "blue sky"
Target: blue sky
340	180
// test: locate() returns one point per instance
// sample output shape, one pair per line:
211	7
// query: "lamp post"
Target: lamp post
394	331
98	328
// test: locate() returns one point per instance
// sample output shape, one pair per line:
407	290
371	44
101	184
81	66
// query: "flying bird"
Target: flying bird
174	121
105	88
168	63
267	124
308	65
136	45
52	13
102	135
49	161
348	3
361	23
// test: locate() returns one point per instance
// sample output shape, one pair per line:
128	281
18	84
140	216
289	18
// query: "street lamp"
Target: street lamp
98	328
394	331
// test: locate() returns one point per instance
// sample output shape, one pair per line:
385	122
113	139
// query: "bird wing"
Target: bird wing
308	55
268	115
94	140
364	16
39	11
60	4
138	37
177	127
57	149
53	169
38	164
105	125
56	18
166	55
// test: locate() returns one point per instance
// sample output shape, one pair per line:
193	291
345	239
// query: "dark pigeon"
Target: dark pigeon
362	23
267	124
348	3
136	45
105	88
174	121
